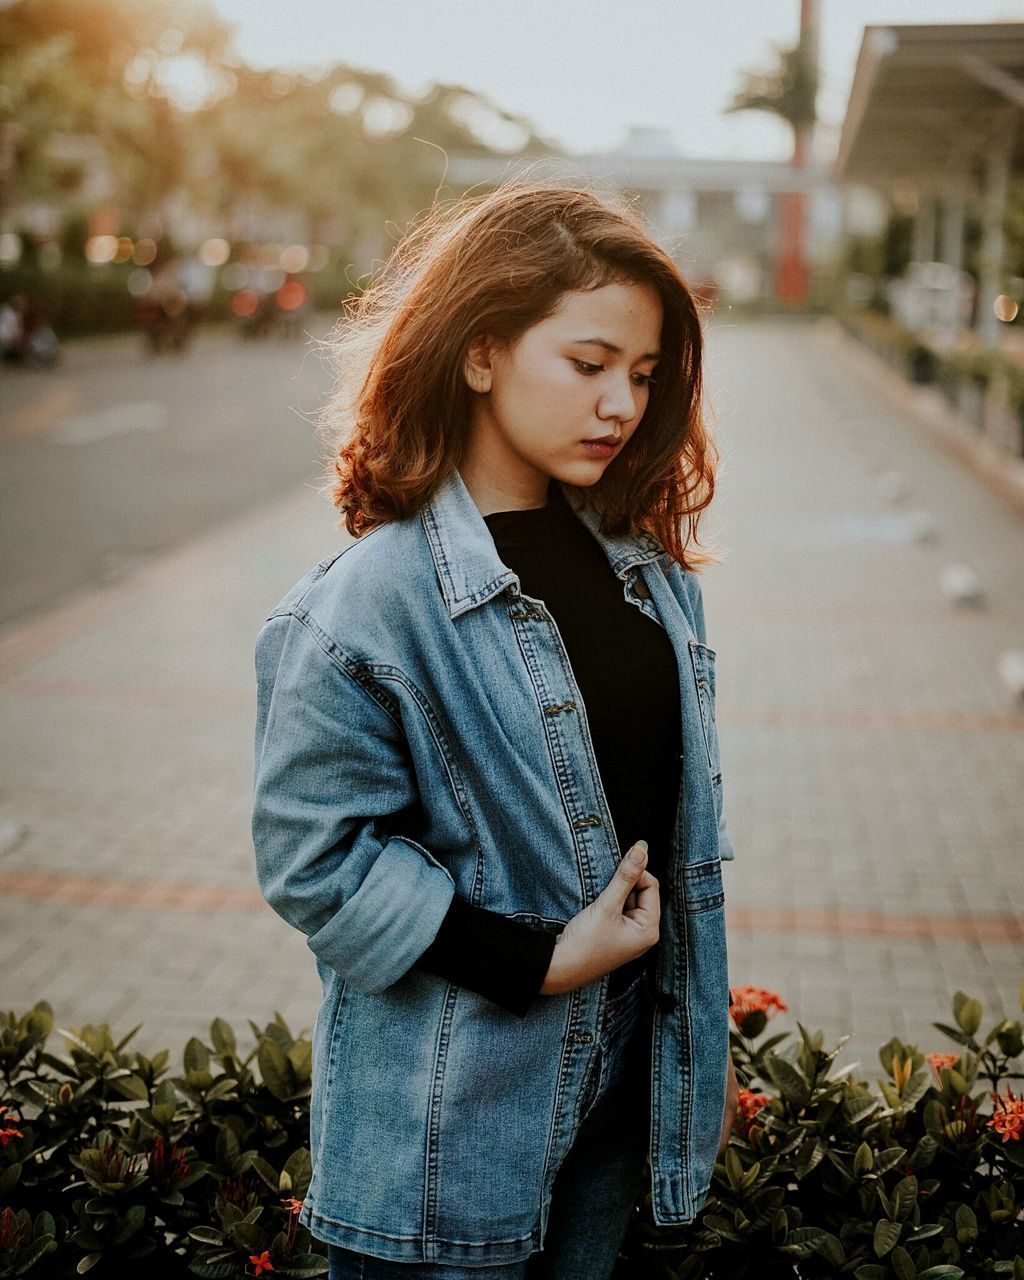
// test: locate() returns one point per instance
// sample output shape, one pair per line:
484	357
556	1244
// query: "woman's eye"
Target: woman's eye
644	379
587	368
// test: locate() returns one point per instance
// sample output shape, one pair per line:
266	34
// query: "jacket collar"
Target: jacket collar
468	565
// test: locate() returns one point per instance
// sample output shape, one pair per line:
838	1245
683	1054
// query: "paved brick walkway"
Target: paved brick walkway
873	761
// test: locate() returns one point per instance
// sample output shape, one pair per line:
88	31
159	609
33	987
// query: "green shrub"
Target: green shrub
826	1176
107	1161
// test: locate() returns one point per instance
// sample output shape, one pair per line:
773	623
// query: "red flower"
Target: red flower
8	1131
292	1205
749	1104
747	1000
1008	1117
261	1261
939	1060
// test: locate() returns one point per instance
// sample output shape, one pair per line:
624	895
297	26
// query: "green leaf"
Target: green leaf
222	1035
943	1272
863	1160
30	1254
969	1016
207	1235
870	1271
275	1069
299	1167
902	1264
251	1237
196	1056
887	1159
300	1055
132	1087
904	1197
213	1270
87	1261
887	1236
787	1078
266	1171
952	1032
131	1222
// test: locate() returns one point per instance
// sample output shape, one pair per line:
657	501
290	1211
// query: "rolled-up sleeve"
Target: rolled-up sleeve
331	771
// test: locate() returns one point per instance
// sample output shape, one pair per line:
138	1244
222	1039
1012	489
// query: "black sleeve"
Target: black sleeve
502	959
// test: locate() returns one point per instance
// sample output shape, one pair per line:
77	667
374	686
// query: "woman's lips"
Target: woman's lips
601	449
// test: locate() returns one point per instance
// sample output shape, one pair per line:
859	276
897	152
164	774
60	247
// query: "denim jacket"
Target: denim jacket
419	735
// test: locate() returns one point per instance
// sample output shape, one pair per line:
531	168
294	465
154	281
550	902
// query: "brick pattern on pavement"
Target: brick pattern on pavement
872	759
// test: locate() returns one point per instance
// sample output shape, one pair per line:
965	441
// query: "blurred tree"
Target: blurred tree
182	124
789	91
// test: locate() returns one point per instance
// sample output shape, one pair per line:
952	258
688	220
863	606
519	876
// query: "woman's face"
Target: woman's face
578	375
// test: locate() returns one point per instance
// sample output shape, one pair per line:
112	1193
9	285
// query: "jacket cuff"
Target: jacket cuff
502	959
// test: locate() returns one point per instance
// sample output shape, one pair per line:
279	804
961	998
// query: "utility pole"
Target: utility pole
791	271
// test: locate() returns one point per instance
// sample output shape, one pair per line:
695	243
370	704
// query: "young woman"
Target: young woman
487	775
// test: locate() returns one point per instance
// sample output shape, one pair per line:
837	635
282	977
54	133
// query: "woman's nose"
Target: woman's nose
618	402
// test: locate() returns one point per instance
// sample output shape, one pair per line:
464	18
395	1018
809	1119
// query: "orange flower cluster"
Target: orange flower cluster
749	1105
939	1060
7	1129
261	1261
292	1205
1008	1117
747	1000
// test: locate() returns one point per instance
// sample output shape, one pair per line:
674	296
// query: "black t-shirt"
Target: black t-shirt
625	668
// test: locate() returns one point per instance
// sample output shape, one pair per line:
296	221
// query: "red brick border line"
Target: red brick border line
874	924
158	895
164	895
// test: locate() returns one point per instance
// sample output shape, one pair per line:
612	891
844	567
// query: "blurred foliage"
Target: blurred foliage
153	95
788	90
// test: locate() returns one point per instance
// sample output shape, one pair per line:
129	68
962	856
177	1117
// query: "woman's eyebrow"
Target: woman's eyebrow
610	346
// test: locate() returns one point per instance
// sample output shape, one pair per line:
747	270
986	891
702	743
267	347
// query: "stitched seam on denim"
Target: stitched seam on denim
344	663
327	1082
572	1006
435	1240
431	1154
700	680
556	747
384	672
448	590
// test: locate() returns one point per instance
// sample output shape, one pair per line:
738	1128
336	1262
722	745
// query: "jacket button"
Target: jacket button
667	1003
641	589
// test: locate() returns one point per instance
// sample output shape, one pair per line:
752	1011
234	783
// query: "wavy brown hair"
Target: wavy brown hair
398	420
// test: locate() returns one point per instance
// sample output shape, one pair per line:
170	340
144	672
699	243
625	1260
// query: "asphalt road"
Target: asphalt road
117	456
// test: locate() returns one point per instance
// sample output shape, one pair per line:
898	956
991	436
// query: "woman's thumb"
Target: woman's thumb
629	869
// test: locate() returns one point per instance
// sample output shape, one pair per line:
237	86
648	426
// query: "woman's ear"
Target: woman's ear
476	367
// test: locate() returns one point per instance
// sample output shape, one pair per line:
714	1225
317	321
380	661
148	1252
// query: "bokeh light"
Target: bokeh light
145	251
10	247
100	249
214	252
1006	308
294	258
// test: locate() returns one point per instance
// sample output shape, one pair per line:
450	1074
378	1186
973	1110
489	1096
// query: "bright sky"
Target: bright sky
585	70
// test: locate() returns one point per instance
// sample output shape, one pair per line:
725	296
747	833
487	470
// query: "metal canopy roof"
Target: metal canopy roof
929	104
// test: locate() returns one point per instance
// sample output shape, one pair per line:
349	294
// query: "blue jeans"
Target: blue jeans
599	1180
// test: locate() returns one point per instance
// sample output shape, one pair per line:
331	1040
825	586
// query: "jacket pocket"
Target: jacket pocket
702	886
703	659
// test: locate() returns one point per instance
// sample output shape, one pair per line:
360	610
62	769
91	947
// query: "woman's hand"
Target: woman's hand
732	1101
619	925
